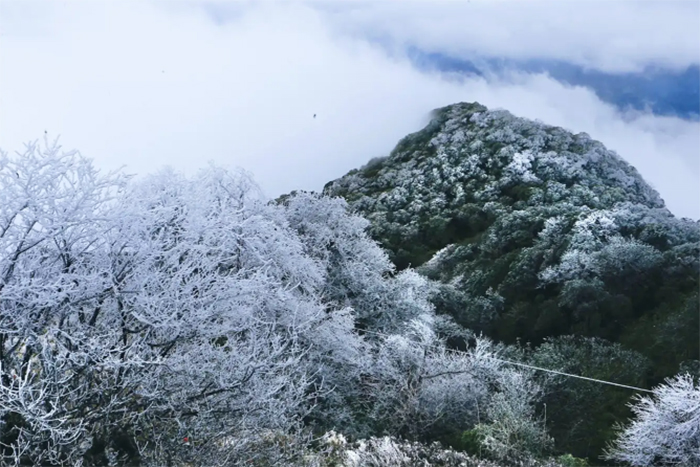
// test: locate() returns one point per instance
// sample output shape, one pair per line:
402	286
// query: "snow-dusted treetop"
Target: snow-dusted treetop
666	427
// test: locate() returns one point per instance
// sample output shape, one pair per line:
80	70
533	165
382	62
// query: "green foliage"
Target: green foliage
470	442
373	167
567	460
585	434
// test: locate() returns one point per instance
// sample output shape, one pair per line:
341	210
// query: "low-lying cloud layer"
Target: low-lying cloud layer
614	36
146	85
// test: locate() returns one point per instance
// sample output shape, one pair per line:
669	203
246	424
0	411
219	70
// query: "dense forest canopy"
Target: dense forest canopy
176	320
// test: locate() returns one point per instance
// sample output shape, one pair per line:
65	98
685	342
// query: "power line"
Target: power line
547	370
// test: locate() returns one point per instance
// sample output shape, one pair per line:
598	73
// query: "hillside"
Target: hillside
188	320
539	235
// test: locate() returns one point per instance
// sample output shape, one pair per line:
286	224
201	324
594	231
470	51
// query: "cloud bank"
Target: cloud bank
612	36
146	85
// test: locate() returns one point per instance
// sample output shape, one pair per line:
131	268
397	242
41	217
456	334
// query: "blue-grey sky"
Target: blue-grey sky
152	83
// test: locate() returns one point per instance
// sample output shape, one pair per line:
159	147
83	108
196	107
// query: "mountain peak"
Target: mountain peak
449	181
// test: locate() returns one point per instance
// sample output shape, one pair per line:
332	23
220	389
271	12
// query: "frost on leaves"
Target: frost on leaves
666	427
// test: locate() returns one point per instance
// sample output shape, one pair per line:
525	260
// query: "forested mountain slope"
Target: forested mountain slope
543	236
188	320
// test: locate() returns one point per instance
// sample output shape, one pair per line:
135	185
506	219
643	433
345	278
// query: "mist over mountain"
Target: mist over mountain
656	89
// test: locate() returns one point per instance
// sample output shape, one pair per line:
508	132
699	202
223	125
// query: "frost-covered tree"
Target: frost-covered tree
421	390
666	427
358	273
417	385
359	281
62	367
135	317
181	319
227	298
514	431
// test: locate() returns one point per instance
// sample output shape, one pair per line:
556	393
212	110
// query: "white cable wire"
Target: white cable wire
634	388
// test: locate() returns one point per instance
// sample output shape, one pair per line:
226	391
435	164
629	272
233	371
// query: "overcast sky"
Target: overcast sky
149	84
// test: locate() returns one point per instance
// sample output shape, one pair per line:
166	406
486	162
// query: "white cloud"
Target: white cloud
144	86
614	36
